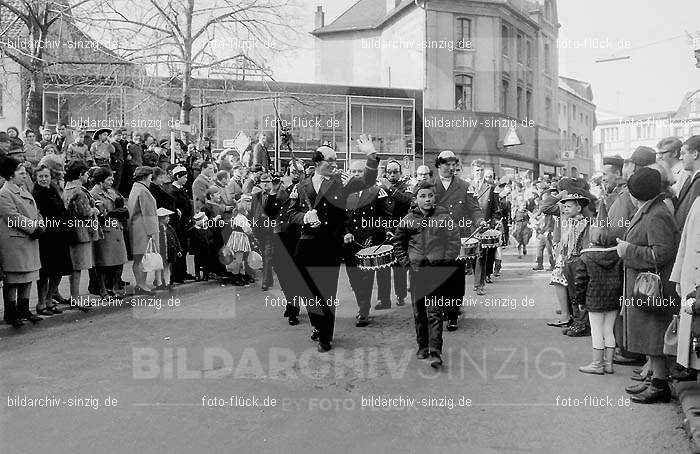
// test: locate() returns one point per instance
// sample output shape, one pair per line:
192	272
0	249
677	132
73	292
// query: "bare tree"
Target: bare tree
186	39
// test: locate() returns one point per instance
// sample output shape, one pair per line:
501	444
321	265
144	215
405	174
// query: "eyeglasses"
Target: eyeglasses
331	160
392	171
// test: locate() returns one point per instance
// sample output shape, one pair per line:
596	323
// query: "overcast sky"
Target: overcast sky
661	68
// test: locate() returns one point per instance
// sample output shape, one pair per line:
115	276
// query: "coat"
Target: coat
53	243
422	240
19	218
111	249
144	220
688	193
199	191
686	272
363	213
461	205
598	281
652	227
488	202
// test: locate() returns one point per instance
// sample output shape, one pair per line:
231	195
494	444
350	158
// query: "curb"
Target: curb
689	398
72	315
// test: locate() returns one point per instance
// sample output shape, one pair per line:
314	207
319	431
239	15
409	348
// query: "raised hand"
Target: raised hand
365	145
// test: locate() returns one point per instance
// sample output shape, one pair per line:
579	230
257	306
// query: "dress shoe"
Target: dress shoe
265	287
189	277
362	322
422	353
550	269
315	335
435	360
293	320
323	347
382	306
658	391
625	361
480	291
15	322
538	268
142	291
560	323
400	302
488	280
45	312
637	387
54	309
28	315
452	325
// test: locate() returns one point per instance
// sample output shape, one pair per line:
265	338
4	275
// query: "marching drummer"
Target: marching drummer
361	231
429	249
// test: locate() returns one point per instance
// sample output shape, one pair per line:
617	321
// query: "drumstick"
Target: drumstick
380	245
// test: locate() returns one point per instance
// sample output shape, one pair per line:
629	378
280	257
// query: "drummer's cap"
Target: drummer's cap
446	156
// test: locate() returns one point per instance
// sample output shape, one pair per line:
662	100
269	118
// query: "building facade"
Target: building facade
577	121
620	136
485	68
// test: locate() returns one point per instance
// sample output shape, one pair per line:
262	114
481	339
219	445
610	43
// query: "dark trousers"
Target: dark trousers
485	263
545	242
452	286
361	281
108	278
267	252
319	267
427	314
384	283
288	275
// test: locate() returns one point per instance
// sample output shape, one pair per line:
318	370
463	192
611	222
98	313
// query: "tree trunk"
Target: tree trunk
33	113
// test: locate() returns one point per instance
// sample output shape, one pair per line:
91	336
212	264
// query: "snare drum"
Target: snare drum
376	257
490	239
469	249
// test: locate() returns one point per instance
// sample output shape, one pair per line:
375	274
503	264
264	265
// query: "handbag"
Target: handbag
255	261
671	337
152	261
648	295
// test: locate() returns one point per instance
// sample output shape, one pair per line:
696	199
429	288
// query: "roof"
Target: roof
580	88
372	14
10	26
684	108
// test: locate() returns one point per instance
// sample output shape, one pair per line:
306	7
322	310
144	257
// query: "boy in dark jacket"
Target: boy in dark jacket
598	289
427	241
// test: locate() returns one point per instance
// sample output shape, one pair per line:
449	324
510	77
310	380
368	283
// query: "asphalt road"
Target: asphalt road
182	379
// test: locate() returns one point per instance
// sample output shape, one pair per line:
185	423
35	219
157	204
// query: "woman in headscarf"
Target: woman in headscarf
53	244
84	226
143	223
110	251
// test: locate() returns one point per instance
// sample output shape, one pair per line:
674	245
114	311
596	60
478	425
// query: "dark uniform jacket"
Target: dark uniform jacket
488	202
461	205
687	195
395	205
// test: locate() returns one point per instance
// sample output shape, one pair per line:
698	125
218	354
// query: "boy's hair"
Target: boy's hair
425	185
599	237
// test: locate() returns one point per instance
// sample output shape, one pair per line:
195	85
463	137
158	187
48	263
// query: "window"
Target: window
678	132
528	53
646	131
695	130
504	96
528	104
585	147
520	49
564	139
573	113
574	143
547	59
548	110
463	92
464	34
520	102
580	117
610	134
504	39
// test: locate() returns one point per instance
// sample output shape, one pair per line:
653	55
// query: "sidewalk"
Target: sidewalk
689	398
72	315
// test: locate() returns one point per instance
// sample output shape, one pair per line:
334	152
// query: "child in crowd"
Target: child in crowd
426	244
202	243
169	247
522	232
239	242
574	237
598	284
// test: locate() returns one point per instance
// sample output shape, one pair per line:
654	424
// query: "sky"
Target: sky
660	70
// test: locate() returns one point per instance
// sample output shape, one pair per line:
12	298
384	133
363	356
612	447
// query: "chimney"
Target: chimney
320	18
